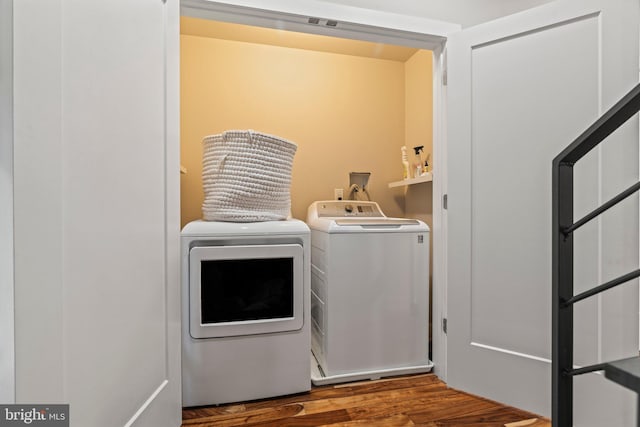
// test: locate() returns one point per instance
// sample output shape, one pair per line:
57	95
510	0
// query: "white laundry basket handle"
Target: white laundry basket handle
223	159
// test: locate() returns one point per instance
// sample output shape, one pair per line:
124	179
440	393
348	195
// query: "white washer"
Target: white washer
245	311
369	292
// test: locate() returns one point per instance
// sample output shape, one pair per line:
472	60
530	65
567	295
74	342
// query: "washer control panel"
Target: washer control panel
348	208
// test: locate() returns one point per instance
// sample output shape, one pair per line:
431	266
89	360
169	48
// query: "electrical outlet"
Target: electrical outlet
338	193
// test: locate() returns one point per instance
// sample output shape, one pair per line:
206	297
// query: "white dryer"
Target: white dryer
245	311
369	292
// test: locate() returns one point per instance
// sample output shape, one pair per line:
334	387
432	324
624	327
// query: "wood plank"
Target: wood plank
534	422
322	392
431	407
320	399
414	400
477	412
445	411
276	420
281	408
381	399
305	420
400	420
248	417
497	417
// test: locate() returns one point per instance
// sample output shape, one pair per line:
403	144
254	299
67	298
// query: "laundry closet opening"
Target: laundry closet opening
349	105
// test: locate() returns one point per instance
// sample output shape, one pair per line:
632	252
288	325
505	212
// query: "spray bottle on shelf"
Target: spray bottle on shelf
405	163
418	164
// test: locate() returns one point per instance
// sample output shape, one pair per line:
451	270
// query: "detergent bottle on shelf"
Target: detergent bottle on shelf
405	163
418	164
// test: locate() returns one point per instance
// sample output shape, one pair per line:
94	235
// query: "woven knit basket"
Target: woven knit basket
246	176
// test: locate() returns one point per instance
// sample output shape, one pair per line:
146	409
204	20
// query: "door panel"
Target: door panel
121	234
97	198
509	77
521	89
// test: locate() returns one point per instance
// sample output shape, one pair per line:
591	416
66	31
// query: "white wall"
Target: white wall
7	379
463	12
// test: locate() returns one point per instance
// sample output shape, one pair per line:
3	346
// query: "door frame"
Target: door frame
381	27
7	326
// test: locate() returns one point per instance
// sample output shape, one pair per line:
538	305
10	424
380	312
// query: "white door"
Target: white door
519	90
96	179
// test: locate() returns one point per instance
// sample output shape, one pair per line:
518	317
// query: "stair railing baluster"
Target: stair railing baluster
625	372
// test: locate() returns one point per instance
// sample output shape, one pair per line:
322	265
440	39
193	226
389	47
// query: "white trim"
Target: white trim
7	326
281	11
353	23
146	404
511	352
439	232
381	27
318	378
172	205
172	395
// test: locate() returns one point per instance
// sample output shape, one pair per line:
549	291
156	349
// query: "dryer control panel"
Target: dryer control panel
348	208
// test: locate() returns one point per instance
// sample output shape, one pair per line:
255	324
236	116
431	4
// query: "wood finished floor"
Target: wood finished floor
417	400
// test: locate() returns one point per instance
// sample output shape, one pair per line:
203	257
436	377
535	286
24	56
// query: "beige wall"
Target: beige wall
419	131
346	113
419	101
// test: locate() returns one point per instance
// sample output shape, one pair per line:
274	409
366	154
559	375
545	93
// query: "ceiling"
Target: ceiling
245	33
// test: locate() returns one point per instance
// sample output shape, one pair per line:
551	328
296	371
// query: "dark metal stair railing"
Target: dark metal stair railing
625	372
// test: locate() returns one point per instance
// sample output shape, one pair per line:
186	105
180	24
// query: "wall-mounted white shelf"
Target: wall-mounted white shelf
428	177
